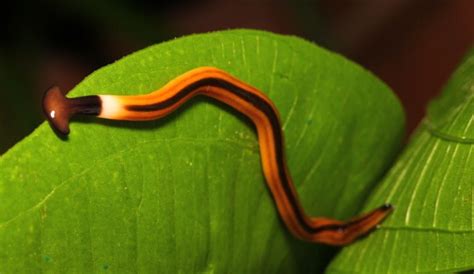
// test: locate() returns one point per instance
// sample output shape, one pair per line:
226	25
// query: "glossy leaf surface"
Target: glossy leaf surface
186	193
431	185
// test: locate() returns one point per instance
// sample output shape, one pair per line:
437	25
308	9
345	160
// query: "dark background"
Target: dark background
413	45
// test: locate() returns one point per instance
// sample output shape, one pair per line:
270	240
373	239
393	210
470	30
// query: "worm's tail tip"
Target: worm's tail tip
387	207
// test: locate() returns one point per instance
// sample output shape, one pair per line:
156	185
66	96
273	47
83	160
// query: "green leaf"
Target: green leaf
431	186
186	193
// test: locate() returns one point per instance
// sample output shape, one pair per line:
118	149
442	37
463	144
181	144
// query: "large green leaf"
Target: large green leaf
186	193
431	185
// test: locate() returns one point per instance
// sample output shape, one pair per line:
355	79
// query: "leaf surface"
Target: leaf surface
431	185
186	193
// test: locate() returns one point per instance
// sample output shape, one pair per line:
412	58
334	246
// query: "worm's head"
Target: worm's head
57	109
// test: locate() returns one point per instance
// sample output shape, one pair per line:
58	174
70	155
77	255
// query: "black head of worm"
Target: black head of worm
59	109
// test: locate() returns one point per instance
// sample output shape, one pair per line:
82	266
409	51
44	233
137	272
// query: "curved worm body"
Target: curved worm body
249	101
